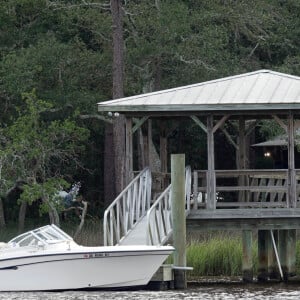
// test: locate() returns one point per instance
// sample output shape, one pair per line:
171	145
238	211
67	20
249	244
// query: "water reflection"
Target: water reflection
206	291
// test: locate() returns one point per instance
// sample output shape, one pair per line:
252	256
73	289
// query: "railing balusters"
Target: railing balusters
127	209
159	220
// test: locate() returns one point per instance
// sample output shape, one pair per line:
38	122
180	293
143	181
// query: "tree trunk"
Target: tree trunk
109	170
118	74
22	215
2	218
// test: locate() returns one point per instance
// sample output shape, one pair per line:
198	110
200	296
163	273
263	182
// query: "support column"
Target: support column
178	217
262	242
291	252
163	153
242	157
292	184
292	198
211	175
282	251
247	263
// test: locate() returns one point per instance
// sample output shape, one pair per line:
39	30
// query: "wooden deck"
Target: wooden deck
244	219
245	199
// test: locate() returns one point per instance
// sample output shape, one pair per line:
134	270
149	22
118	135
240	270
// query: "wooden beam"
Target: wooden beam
244	224
250	127
257	213
280	122
229	138
138	123
220	123
199	123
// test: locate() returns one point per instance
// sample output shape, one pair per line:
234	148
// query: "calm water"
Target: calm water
207	291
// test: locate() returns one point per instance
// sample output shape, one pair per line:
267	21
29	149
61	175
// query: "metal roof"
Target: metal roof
278	141
259	90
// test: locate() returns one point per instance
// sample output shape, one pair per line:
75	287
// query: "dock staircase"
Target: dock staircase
134	218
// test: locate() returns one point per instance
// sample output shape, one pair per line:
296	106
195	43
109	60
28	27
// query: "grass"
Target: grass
216	255
221	255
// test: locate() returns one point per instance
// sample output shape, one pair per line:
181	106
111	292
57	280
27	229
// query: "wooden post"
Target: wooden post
282	251
291	252
292	198
243	196
163	153
141	149
241	165
128	152
178	217
262	242
247	263
292	194
211	175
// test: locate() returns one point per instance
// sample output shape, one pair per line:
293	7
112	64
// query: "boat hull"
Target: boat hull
81	270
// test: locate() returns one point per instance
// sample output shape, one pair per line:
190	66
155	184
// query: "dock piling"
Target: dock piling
179	220
247	262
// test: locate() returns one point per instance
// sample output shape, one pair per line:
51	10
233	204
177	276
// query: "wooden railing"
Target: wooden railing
244	188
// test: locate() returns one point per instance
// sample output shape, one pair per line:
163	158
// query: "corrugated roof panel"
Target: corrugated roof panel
234	91
219	91
230	92
282	92
182	96
293	93
209	93
271	86
255	88
257	91
243	90
198	94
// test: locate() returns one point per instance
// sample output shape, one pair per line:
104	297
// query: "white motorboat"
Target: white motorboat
48	259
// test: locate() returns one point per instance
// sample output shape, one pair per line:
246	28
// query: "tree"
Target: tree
40	153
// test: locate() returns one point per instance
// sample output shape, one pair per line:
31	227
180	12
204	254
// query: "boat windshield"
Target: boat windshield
49	234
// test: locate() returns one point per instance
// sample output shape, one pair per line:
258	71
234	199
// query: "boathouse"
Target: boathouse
243	197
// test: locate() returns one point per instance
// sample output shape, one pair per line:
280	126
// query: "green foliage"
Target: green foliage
45	190
63	50
38	152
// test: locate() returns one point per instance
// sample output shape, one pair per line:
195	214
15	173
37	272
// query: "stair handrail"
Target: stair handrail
188	188
159	216
127	209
